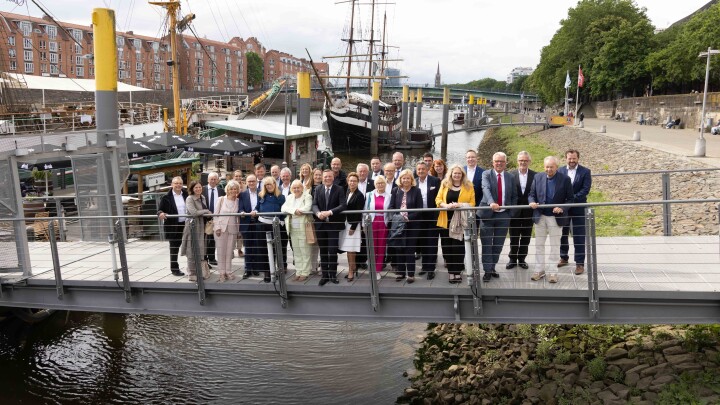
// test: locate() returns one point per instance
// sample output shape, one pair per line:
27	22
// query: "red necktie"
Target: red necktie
500	194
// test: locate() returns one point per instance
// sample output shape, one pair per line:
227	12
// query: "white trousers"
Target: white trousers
224	244
548	230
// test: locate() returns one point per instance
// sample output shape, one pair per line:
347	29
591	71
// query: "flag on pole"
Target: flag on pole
581	78
567	80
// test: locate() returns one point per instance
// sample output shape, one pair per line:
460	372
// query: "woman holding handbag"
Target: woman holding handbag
226	229
196	207
296	205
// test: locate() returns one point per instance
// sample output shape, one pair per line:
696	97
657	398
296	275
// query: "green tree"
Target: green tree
675	65
254	69
583	39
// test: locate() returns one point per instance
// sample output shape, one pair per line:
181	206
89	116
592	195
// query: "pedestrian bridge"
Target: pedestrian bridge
649	279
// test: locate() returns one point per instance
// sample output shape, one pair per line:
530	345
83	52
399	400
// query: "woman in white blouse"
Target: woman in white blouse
379	199
297	203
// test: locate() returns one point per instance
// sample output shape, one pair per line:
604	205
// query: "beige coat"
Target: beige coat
195	207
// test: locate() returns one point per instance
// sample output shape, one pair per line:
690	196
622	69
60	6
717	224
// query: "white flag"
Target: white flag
567	80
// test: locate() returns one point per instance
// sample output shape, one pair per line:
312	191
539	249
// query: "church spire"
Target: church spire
437	76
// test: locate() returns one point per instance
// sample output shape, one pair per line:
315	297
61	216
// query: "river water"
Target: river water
97	359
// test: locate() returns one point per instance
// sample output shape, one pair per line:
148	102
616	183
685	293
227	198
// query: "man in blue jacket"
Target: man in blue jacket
581	180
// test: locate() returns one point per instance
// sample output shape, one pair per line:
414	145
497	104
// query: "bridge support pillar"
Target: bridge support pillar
374	118
404	117
411	110
445	116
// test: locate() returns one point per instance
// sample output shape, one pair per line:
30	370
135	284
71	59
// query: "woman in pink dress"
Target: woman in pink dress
379	199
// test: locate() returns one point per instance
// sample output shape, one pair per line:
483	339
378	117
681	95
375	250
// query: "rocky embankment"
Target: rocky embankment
566	364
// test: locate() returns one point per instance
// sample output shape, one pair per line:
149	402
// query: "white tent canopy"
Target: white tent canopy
64	83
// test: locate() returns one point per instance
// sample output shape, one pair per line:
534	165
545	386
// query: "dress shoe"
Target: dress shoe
495	274
579	269
177	273
267	279
246	275
323	281
431	275
487	277
523	265
410	280
421	272
192	278
255	273
209	266
400	277
562	263
213	262
334	280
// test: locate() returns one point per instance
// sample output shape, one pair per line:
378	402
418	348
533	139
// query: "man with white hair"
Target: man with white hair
285	180
549	188
212	193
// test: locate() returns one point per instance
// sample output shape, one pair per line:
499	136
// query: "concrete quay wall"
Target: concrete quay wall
687	107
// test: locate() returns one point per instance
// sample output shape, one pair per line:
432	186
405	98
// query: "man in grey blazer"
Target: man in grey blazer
498	191
549	188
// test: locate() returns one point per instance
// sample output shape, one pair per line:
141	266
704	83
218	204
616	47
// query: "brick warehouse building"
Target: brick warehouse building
37	46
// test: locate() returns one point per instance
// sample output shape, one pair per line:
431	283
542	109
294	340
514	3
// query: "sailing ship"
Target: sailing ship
347	114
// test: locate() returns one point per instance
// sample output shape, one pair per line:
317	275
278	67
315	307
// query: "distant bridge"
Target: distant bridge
436	93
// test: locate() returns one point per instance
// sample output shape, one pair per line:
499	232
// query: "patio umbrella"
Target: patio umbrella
224	145
168	139
138	148
49	162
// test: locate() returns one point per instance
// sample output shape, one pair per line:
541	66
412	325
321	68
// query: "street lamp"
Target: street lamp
700	143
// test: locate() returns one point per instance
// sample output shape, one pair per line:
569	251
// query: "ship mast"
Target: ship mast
371	47
173	8
350	46
382	50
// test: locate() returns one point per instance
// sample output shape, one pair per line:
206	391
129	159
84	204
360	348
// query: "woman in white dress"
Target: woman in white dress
350	238
297	203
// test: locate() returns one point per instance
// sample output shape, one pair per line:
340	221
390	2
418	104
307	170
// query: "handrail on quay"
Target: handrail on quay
629	279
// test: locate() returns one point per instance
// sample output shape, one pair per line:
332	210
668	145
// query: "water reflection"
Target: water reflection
158	359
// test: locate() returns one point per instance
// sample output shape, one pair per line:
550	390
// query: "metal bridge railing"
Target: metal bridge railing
645	264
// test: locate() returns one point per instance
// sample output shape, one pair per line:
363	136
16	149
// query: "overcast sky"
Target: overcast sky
470	39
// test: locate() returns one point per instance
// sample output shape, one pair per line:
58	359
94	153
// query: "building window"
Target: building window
43	55
137	43
43	44
11	41
13	54
51	31
53	58
43	68
119	41
29	67
79	61
28	55
77	34
27	43
91	72
80	71
53	46
13	65
138	75
26	28
78	49
138	66
156	68
54	70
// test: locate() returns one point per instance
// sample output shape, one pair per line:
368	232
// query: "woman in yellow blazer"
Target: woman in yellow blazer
455	189
296	204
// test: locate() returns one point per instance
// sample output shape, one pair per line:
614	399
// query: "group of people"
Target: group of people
324	203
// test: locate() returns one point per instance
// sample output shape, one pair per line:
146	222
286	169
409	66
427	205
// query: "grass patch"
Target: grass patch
514	143
617	221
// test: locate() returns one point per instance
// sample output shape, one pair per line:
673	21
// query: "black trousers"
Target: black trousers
262	249
520	233
173	233
406	256
328	244
453	251
251	240
428	243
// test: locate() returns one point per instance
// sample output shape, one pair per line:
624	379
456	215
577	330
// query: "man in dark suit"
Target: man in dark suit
521	223
365	185
212	193
499	191
339	176
248	226
549	188
474	174
328	204
429	232
173	203
581	180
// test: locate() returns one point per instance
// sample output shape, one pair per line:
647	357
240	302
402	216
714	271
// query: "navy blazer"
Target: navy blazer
563	195
338	204
523	197
490	194
245	206
582	183
413	200
433	184
206	193
477	183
